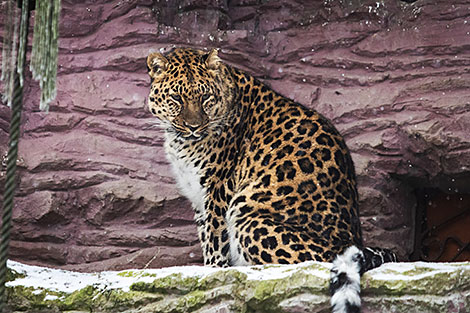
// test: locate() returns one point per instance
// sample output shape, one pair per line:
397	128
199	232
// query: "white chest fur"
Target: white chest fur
187	177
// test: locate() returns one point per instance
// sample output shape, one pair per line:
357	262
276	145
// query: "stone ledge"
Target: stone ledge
401	287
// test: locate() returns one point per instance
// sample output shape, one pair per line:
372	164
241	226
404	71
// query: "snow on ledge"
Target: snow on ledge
68	281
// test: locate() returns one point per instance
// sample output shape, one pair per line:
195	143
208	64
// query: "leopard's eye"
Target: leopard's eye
207	103
173	109
177	98
205	97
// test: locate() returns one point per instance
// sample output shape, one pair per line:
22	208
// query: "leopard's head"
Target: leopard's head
191	91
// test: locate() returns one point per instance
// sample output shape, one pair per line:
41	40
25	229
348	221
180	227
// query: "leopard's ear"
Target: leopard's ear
212	59
156	64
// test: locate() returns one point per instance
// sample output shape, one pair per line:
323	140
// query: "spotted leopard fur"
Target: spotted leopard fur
270	180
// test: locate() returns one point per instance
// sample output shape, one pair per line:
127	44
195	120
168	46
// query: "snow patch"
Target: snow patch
68	281
401	271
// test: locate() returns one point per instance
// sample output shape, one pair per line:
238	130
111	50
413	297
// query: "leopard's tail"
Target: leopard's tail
345	276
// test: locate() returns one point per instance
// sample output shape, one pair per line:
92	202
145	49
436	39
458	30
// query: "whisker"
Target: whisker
163	125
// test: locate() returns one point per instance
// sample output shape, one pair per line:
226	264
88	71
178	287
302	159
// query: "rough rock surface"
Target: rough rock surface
95	190
404	287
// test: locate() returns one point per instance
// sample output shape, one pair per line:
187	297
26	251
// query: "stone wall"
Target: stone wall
95	191
299	288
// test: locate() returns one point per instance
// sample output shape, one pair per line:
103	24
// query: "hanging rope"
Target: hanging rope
9	51
44	68
14	95
45	49
10	183
24	29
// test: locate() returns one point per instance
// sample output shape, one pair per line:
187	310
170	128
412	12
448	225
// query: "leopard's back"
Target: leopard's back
299	187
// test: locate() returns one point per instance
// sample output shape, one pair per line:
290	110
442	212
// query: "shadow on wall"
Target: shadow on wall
95	191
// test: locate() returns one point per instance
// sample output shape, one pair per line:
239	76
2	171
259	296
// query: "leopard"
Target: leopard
270	180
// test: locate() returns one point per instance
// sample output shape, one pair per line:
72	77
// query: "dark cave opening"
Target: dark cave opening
442	232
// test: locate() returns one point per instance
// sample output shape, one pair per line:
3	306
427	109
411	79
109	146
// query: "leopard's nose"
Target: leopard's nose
192	127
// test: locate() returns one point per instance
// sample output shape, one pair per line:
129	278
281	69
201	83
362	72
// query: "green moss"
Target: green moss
436	292
177	284
127	274
81	299
183	294
12	275
135	274
223	278
261	299
265	295
22	298
174	283
436	283
191	301
110	300
118	300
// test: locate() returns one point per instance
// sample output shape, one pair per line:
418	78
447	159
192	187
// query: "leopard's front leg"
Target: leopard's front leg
212	230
